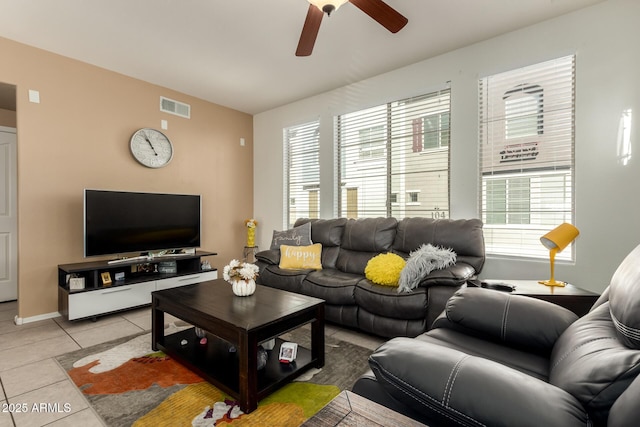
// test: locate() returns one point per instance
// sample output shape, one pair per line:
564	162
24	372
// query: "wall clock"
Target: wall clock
151	148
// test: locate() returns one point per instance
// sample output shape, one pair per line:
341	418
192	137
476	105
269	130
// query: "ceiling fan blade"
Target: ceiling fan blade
309	31
386	16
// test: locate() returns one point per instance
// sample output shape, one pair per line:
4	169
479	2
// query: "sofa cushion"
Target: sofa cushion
386	301
590	362
363	239
326	231
369	234
333	286
389	327
464	236
329	233
301	257
297	236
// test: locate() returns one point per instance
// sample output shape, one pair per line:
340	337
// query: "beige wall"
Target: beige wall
78	137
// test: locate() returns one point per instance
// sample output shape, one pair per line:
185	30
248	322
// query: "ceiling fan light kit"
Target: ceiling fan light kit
381	12
328	6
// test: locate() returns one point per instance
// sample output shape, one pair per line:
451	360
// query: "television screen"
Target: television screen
119	222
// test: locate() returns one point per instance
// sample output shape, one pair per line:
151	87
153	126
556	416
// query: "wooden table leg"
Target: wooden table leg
317	337
248	367
157	326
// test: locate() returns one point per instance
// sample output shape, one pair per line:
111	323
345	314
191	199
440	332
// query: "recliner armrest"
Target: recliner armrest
269	256
514	320
445	384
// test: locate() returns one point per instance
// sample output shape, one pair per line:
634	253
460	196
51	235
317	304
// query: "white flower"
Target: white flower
239	271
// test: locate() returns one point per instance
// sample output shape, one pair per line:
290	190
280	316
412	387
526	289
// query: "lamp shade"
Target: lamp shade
560	237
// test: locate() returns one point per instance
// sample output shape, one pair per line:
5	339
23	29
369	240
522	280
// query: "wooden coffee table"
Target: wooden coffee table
236	326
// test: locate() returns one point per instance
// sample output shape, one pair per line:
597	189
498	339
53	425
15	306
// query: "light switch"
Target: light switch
34	96
242	142
164	125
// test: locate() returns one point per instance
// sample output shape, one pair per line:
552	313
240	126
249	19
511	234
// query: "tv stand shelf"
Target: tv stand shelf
132	290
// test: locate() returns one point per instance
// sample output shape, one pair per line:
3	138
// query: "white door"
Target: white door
8	216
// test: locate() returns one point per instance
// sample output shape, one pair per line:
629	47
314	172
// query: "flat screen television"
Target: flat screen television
121	222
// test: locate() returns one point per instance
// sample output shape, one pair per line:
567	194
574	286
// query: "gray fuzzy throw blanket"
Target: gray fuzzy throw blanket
421	262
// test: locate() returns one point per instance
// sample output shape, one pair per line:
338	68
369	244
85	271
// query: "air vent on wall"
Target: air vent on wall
174	107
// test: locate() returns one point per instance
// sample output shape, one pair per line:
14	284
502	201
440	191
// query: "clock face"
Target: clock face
151	147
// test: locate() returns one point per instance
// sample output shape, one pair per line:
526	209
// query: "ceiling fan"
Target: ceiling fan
384	14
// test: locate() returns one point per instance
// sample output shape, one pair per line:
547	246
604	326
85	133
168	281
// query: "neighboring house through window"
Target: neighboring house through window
393	159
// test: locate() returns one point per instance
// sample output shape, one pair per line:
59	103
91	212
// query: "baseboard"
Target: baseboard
22	320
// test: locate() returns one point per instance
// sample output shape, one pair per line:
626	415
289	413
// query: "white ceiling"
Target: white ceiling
240	53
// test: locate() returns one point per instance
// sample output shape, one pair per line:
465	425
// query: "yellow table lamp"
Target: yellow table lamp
556	240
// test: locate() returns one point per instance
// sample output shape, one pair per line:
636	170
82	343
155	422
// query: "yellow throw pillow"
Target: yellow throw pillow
301	257
384	269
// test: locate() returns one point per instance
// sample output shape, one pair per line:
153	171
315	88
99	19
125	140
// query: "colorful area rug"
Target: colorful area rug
128	384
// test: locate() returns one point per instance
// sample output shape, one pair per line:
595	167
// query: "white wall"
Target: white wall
604	38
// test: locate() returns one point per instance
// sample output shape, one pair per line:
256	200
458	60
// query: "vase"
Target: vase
251	237
244	288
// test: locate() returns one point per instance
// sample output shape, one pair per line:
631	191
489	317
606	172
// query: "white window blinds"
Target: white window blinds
302	172
393	159
526	155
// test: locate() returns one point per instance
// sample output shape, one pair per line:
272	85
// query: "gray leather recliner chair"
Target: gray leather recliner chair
504	360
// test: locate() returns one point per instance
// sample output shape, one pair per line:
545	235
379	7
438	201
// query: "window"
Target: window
393	159
436	134
526	155
373	142
302	172
523	108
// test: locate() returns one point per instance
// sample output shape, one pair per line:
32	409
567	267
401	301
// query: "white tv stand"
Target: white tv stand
134	290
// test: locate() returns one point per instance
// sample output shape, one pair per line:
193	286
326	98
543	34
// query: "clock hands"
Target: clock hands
150	144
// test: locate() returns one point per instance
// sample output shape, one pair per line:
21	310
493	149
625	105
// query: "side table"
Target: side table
249	254
570	297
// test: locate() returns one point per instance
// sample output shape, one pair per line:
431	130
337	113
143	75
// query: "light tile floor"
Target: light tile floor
35	391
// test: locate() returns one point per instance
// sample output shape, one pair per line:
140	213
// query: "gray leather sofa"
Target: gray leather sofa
354	301
506	360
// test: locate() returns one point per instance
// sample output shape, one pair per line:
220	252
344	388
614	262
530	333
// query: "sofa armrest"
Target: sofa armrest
269	256
444	384
515	320
454	275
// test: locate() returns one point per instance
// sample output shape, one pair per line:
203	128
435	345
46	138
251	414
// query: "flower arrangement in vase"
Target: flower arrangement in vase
251	225
242	276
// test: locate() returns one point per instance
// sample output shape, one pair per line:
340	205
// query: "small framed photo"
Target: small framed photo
288	352
76	283
106	278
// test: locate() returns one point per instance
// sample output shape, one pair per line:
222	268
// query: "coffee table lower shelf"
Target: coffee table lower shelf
217	363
